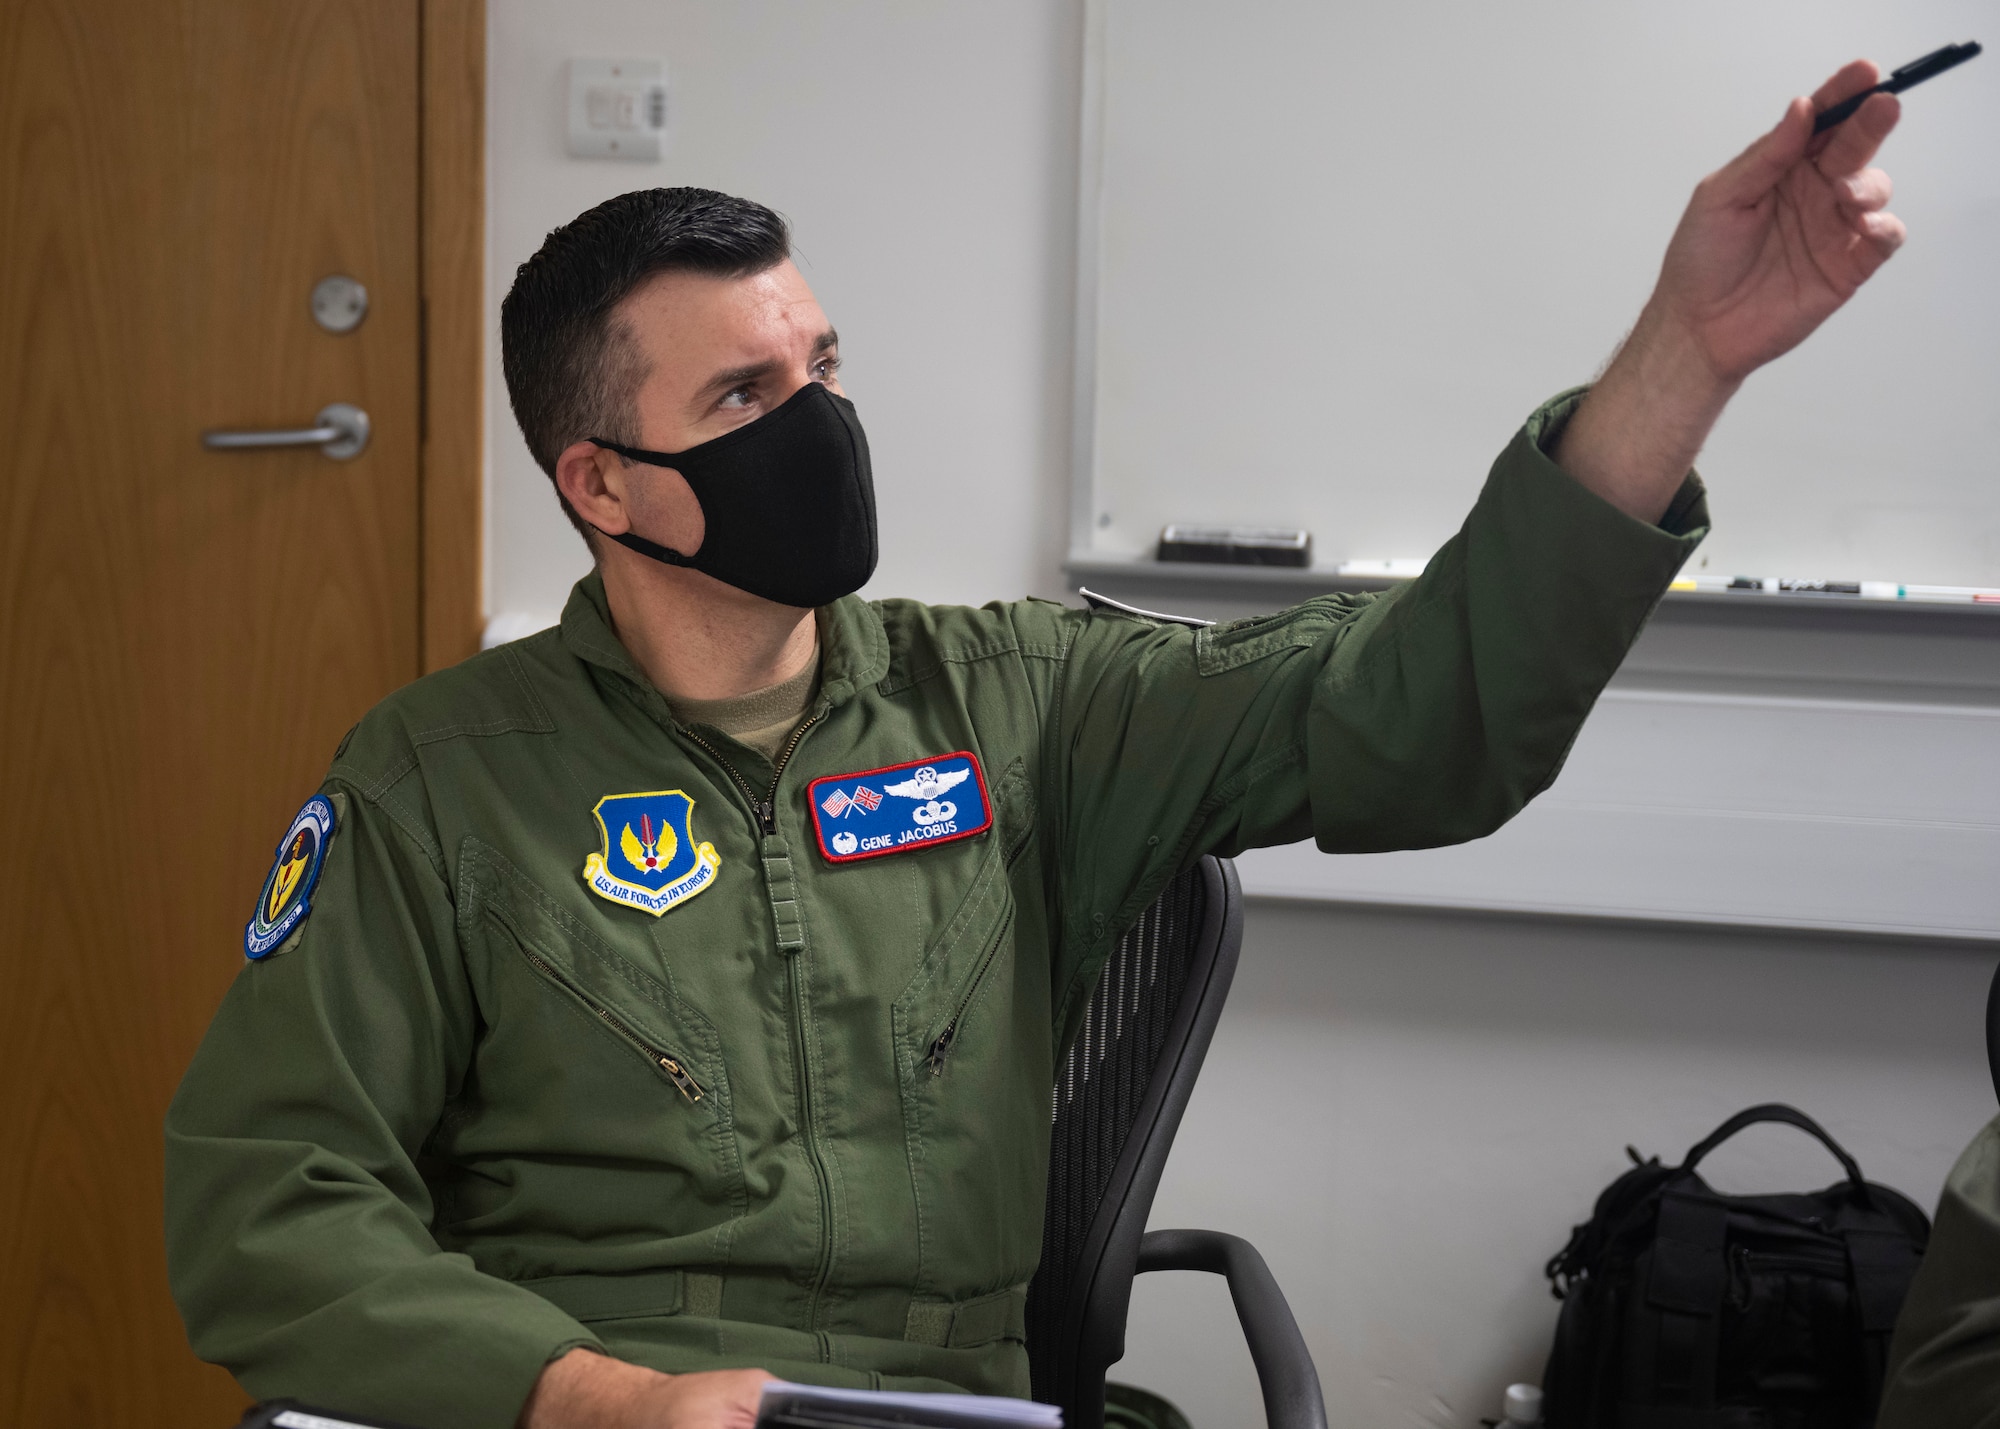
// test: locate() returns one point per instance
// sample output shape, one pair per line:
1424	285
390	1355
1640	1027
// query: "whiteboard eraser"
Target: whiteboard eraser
1236	545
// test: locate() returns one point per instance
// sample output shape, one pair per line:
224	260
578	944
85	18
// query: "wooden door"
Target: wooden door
184	634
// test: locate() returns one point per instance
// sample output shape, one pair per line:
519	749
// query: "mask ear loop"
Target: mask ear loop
631	540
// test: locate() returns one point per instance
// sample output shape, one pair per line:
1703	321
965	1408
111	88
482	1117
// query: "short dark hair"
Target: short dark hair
571	371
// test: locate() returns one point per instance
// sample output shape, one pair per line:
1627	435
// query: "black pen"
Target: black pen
1915	72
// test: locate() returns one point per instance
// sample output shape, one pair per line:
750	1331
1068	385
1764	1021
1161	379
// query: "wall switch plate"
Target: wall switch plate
617	109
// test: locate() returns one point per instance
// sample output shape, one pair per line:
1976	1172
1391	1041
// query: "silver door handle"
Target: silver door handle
340	431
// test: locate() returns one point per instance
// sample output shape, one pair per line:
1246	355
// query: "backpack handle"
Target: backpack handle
1791	1116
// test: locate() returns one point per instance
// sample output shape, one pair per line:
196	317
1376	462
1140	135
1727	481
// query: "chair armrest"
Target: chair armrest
1292	1397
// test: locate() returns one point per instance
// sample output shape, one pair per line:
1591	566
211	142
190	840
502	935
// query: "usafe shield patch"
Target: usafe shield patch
287	895
904	807
649	859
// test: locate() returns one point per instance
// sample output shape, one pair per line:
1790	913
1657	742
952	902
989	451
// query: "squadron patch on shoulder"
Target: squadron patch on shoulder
288	890
649	859
904	807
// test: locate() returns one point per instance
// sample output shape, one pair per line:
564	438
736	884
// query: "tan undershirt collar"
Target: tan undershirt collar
763	719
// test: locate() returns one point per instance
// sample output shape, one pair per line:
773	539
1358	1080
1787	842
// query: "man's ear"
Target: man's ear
592	480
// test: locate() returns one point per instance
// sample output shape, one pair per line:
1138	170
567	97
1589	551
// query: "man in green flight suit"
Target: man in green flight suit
674	996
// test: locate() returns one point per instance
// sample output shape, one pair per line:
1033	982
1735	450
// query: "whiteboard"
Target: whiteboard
1331	255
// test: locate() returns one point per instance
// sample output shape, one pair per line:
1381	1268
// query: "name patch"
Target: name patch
906	806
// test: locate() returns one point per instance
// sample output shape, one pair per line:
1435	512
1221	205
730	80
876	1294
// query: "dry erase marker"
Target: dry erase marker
1779	585
1951	594
1867	590
1915	72
1931	594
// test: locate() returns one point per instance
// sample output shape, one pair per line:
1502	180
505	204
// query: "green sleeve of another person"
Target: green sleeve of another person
1944	1361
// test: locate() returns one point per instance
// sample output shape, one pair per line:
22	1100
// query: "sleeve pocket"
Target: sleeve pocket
1221	648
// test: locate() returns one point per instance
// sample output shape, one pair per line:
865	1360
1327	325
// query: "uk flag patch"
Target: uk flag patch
903	807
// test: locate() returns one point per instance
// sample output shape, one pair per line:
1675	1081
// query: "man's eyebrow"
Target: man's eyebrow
735	377
739	376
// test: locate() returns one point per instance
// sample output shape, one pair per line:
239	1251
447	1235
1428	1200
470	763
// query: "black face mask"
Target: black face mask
788	502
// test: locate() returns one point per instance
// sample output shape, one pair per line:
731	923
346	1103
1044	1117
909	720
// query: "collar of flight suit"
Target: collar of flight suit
853	646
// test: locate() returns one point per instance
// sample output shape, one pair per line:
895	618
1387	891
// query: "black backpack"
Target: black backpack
1687	1309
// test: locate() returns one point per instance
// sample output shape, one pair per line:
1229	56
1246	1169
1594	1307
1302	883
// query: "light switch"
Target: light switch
617	109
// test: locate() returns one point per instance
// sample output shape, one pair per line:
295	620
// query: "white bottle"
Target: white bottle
1522	1408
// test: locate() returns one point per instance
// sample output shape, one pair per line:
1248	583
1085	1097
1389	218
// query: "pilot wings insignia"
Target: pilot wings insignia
926	784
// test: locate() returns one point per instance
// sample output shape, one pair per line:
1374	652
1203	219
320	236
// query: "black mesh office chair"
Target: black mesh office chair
1118	1101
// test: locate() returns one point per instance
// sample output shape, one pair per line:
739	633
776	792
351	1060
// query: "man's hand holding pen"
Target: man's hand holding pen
1769	247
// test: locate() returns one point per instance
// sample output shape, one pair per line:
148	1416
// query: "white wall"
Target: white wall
1408	1111
925	155
1405	1111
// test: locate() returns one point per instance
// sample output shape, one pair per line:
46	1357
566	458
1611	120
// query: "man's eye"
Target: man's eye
824	369
737	397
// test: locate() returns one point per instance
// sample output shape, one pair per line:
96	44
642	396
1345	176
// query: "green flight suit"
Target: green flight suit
1944	1359
472	1114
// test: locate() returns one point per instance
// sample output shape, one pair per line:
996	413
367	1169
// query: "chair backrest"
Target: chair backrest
1993	1030
1119	1096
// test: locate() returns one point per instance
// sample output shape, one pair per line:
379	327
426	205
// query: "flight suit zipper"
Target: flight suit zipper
675	1071
942	1043
941	1048
765	812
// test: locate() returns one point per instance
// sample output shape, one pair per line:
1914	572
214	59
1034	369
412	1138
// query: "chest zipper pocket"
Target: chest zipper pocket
668	1065
939	1045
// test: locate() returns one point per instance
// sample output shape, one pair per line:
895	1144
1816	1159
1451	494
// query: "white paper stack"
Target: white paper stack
805	1404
